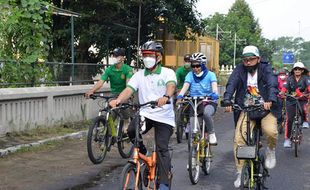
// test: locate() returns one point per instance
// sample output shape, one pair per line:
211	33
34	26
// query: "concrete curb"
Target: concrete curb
9	150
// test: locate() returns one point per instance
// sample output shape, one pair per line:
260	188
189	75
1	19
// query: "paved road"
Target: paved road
66	166
290	173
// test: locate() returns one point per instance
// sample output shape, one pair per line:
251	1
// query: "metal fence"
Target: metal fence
49	73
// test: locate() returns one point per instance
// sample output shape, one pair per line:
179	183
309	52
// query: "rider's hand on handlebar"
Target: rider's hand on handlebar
162	101
114	103
267	105
88	93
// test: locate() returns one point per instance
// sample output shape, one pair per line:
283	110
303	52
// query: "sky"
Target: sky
276	18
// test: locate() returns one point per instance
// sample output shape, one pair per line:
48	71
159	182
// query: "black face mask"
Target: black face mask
251	69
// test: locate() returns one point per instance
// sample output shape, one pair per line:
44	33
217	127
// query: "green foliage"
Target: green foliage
240	21
106	24
24	38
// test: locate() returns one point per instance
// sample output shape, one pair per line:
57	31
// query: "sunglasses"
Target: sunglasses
249	59
195	66
298	69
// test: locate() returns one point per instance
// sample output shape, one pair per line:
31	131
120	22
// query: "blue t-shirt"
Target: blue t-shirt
204	87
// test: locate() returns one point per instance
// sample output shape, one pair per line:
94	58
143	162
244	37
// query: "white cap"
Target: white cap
250	51
299	65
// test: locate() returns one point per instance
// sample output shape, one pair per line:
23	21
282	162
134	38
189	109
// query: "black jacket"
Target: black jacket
267	86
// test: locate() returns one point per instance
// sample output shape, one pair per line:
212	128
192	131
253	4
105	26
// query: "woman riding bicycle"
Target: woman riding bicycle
202	82
298	84
250	82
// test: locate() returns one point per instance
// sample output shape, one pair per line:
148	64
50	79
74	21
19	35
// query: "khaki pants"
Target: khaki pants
269	128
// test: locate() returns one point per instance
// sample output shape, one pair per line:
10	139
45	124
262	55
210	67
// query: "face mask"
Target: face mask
251	69
282	77
187	65
200	74
149	62
114	61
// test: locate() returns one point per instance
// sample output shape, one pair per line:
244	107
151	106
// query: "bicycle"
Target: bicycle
106	131
199	147
281	126
182	119
132	175
254	172
296	135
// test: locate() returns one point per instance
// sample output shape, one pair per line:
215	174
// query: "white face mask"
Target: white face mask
187	65
200	74
282	77
114	61
149	62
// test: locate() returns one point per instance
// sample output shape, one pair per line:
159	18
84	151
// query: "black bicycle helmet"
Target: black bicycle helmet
152	46
118	52
198	57
187	57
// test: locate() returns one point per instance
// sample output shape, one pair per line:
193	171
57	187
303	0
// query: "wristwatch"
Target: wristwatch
166	96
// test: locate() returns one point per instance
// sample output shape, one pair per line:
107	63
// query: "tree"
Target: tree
240	21
24	38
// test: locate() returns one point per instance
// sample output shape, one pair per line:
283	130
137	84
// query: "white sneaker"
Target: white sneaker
305	125
287	143
237	182
270	161
212	139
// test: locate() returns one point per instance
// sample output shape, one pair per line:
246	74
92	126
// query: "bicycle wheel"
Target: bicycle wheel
206	164
129	176
179	125
295	139
97	140
245	176
124	145
262	173
193	159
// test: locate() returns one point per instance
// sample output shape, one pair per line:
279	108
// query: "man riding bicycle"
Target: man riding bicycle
202	82
182	71
297	83
118	74
253	82
155	82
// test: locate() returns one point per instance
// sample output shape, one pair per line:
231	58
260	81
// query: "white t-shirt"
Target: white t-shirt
152	87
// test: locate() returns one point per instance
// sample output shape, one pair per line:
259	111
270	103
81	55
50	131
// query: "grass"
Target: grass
42	132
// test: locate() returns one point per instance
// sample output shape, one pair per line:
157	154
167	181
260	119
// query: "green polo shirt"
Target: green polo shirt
181	73
117	77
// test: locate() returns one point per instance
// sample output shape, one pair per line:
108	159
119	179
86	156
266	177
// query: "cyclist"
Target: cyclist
297	83
182	71
248	81
202	82
282	76
155	82
118	74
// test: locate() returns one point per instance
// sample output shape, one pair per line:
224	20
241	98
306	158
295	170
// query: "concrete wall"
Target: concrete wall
26	108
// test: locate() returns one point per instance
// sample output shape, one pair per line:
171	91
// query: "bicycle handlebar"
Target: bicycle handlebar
95	96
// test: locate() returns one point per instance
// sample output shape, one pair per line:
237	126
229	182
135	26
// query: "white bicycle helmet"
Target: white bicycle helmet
199	57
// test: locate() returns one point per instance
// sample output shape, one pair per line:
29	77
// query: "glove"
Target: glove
298	93
180	96
214	96
226	103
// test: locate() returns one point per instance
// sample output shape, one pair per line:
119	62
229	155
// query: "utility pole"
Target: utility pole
219	30
138	40
235	44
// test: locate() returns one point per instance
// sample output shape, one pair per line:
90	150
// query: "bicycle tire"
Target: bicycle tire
179	125
295	139
97	137
124	145
128	177
245	176
263	173
206	164
193	161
